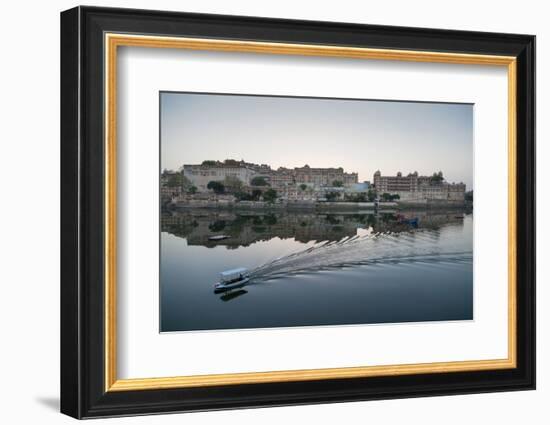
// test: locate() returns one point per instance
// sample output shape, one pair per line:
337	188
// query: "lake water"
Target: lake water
312	269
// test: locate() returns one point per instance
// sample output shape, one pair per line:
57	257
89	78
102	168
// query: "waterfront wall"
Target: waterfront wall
261	205
311	205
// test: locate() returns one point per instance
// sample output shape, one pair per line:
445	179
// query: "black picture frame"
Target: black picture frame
83	392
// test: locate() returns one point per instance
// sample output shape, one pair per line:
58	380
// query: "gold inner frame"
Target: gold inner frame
113	41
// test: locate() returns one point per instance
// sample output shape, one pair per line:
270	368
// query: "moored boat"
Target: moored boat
217	237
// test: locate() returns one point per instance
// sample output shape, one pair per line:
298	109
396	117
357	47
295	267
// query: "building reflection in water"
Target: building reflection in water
243	228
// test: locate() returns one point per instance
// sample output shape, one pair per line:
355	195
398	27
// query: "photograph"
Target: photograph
284	211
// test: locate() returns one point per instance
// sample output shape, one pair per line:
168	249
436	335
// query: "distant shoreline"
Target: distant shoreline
325	206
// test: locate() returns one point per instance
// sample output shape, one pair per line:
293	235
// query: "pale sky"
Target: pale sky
359	135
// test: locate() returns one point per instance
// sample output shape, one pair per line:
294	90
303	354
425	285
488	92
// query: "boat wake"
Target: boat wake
414	246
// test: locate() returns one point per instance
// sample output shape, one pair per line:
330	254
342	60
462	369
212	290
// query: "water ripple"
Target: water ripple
374	248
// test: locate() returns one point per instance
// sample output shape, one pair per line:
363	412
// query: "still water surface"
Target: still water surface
315	269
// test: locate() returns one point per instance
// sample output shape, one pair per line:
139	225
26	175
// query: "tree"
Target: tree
331	196
303	186
217	187
233	184
217	226
469	196
185	182
371	220
208	162
371	195
175	180
231	162
332	219
256	193
192	189
390	197
242	196
359	197
270	195
270	219
258	181
337	183
437	177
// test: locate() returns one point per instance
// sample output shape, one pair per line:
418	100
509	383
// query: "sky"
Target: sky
359	135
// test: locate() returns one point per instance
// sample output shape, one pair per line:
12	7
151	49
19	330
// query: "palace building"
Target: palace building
201	174
413	187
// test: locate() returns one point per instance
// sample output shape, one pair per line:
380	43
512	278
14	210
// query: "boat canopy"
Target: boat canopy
233	274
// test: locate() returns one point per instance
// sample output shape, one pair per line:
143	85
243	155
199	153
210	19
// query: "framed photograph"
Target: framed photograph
261	212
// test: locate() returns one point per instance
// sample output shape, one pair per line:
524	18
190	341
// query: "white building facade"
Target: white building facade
201	175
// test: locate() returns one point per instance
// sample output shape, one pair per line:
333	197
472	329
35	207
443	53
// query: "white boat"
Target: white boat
218	237
231	279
